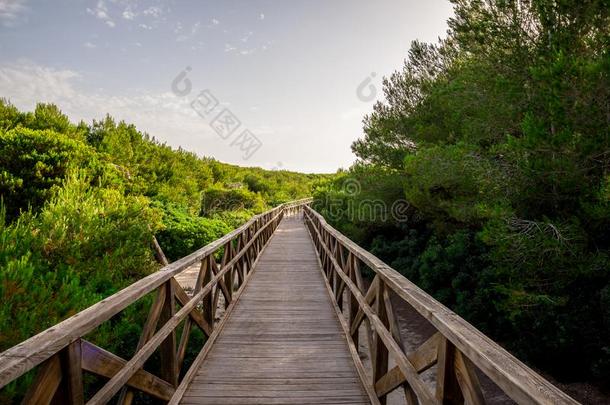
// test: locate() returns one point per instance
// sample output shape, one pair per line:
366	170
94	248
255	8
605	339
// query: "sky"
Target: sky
280	84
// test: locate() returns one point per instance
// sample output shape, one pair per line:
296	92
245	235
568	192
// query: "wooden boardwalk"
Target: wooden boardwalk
282	343
297	307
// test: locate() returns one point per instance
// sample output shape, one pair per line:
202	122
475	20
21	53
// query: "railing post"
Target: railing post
208	300
59	379
72	381
380	351
447	387
228	278
167	349
353	303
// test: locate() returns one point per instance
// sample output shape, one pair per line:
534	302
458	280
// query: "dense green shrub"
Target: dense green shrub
80	205
85	244
184	233
218	199
32	162
498	137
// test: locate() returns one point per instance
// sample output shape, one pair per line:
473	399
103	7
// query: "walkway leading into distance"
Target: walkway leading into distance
282	343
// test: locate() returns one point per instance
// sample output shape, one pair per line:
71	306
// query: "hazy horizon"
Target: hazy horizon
287	72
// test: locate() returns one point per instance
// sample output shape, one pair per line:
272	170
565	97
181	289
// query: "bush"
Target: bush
33	162
85	244
216	199
184	233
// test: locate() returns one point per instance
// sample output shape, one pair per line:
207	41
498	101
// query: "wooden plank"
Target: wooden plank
167	349
517	380
447	387
468	380
195	316
401	360
45	384
283	328
422	359
370	297
21	358
101	362
72	381
126	396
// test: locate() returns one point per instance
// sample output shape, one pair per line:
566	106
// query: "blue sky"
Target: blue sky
288	70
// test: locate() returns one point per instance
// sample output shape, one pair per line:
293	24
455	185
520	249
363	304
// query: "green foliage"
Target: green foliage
85	244
184	233
79	206
499	139
33	162
456	183
217	199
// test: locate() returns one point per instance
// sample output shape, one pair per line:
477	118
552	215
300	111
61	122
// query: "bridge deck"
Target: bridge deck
283	343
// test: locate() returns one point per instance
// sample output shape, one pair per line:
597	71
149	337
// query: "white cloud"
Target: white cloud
261	16
100	11
11	10
229	48
90	45
144	26
153	11
163	114
247	37
128	14
198	46
215	21
178	28
182	36
195	28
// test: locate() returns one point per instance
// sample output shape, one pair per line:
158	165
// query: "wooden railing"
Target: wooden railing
457	348
62	354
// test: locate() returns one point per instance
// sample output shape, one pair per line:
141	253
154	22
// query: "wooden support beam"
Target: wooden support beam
222	282
422	359
72	380
208	301
447	387
468	380
353	303
167	349
395	331
45	384
103	363
196	316
370	297
380	355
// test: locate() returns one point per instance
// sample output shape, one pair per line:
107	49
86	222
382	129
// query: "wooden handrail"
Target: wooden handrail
457	348
63	355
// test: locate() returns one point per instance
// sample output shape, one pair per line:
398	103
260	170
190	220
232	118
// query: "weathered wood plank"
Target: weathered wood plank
72	381
381	331
283	328
21	358
45	384
516	379
101	362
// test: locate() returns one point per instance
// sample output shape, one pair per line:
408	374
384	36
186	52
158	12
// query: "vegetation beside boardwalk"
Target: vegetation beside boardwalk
495	141
498	140
80	205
